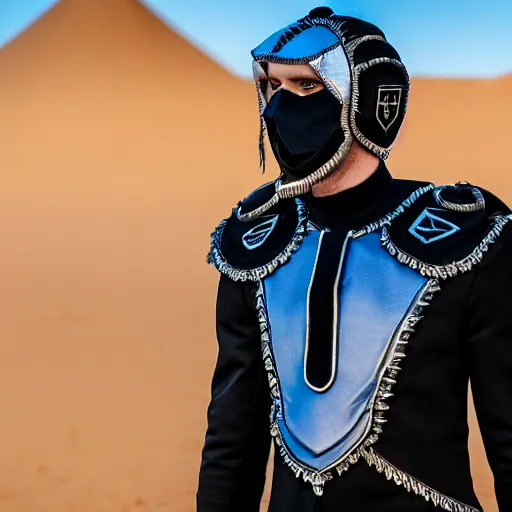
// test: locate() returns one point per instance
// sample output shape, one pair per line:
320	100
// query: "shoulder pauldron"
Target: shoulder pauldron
438	231
251	250
447	231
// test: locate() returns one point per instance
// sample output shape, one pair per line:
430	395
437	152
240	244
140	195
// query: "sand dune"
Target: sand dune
121	146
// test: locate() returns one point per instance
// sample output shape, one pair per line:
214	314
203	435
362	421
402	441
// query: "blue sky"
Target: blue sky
434	37
17	15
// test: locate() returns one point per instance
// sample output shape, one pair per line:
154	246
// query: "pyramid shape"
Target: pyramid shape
120	147
96	77
75	29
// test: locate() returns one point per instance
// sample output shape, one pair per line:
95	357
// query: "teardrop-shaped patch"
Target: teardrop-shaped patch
257	235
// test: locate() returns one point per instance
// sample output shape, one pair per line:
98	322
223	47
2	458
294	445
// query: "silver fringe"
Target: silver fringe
217	259
456	267
379	406
315	478
411	484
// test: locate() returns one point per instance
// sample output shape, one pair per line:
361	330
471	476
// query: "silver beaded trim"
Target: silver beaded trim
478	204
378	407
332	23
456	267
271	57
381	152
260	210
297	188
216	258
363	39
411	484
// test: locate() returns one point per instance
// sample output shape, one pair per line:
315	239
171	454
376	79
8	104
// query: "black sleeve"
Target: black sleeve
237	445
489	337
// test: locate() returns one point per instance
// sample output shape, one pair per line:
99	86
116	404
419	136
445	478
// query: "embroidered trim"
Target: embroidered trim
316	479
411	484
352	45
216	258
373	226
271	57
456	267
332	23
378	406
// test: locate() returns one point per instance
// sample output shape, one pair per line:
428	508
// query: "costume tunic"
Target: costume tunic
350	340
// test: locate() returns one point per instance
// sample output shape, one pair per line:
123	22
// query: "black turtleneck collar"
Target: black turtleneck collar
353	199
358	205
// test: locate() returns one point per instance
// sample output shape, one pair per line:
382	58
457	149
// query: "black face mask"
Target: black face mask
304	131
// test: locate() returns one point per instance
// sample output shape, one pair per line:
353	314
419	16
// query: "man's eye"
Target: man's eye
308	85
274	86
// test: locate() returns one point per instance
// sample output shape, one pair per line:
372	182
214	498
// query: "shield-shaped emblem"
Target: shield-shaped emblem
388	105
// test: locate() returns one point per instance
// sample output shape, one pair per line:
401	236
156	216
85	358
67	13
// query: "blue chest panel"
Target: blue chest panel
376	293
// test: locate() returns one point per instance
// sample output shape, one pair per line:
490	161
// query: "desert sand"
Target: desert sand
121	146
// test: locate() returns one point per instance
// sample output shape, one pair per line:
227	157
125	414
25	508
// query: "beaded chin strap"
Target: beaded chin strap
297	188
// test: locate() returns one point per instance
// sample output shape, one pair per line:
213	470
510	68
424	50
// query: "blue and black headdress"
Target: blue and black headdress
358	66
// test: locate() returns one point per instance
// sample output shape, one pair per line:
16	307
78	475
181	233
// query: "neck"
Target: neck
356	168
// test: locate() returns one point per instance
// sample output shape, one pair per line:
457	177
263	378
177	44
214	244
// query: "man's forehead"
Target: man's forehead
288	70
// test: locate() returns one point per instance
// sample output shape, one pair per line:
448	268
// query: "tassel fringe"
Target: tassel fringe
411	484
456	267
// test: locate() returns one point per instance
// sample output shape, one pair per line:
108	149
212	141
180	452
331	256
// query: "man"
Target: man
353	308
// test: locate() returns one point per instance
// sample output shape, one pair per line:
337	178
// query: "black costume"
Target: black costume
350	325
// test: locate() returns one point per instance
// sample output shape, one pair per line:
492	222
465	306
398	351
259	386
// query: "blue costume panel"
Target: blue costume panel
375	294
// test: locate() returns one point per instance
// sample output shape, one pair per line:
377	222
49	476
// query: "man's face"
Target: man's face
300	79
